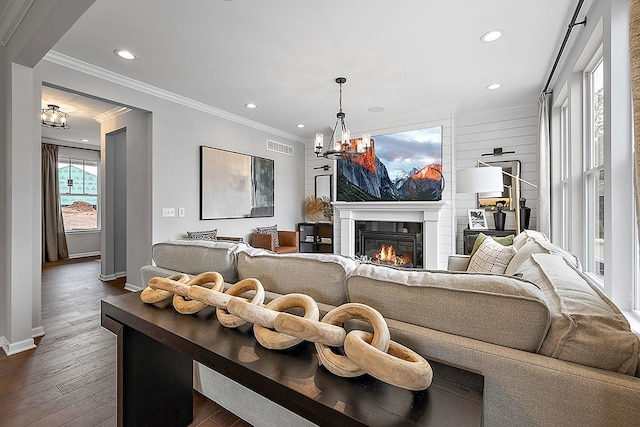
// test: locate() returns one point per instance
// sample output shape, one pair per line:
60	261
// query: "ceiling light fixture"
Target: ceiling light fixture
491	36
494	86
84	140
251	105
347	148
299	125
125	54
52	117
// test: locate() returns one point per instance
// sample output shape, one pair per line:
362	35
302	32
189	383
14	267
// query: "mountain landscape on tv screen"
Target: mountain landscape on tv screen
366	178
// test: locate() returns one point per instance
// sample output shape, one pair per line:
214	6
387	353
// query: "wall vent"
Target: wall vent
279	147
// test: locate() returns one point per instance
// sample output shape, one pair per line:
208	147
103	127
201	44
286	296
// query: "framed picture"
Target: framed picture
235	185
477	219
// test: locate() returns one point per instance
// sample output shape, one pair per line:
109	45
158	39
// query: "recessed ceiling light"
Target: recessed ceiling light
376	109
491	36
494	86
84	140
125	54
300	125
251	105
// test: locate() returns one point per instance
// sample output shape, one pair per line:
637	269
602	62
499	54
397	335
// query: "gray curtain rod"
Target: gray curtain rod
572	24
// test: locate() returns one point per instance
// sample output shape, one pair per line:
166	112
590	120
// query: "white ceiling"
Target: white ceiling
409	56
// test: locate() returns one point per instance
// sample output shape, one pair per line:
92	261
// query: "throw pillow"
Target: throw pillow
505	240
203	235
270	230
491	257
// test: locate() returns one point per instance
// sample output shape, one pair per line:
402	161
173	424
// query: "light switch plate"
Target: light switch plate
168	212
180	212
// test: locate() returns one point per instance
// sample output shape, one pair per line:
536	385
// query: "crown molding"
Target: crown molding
90	69
111	114
11	17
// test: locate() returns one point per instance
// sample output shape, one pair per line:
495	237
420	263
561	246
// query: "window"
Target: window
564	174
78	181
594	169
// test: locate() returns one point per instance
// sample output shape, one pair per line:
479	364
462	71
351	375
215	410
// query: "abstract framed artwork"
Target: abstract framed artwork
235	185
403	166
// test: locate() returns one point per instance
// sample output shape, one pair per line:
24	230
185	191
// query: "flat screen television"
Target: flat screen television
235	185
400	166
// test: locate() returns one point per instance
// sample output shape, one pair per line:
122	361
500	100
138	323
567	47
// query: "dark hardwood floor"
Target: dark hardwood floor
70	378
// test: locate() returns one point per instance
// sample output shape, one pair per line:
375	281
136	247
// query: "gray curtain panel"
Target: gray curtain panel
54	241
634	53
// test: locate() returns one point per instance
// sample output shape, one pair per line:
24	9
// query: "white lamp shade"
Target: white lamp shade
479	180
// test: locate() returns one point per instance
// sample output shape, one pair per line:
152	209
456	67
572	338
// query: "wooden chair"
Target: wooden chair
288	242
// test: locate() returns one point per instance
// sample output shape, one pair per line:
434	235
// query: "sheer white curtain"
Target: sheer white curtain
544	166
634	53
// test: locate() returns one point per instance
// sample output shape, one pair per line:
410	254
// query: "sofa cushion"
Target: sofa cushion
198	256
526	235
503	240
536	245
586	327
203	235
491	257
321	276
501	310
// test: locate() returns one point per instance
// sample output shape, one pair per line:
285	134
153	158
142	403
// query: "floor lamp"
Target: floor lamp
488	179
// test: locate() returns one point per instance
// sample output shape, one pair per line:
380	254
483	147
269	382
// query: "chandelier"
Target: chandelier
344	149
52	117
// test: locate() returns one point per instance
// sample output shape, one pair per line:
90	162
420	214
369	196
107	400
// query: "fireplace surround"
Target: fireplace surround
426	213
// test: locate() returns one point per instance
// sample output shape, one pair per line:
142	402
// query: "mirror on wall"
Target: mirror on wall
507	198
324	186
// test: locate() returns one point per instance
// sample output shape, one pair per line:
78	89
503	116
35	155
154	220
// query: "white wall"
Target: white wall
478	133
178	131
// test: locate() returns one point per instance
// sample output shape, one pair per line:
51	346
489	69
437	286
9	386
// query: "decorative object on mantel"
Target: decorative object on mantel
525	213
275	329
347	148
52	117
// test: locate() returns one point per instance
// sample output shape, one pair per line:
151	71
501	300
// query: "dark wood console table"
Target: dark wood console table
156	348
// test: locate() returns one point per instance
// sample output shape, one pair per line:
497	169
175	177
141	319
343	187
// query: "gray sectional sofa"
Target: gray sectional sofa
553	350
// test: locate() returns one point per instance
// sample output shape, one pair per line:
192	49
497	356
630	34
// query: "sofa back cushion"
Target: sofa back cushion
586	327
321	276
502	310
198	256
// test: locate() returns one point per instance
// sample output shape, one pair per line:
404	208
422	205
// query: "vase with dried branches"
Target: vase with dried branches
317	209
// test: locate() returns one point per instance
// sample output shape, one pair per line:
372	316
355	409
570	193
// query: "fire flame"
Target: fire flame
387	256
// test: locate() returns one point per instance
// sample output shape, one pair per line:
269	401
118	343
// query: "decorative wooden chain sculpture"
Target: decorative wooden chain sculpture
374	354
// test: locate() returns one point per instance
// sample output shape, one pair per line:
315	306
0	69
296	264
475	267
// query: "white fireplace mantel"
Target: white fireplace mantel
427	213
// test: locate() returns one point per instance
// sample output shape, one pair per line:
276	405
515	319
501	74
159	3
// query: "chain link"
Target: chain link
373	353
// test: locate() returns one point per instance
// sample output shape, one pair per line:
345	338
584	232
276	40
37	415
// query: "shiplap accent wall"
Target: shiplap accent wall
478	133
446	229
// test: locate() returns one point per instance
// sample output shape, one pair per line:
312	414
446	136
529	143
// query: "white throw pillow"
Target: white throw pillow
491	257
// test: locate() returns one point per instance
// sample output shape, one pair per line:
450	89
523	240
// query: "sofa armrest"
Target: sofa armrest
458	262
288	238
263	240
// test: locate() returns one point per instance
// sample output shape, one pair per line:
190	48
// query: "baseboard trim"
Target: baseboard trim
107	277
84	255
37	332
131	288
18	347
121	274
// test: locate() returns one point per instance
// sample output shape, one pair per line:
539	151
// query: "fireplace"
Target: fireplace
390	243
425	213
